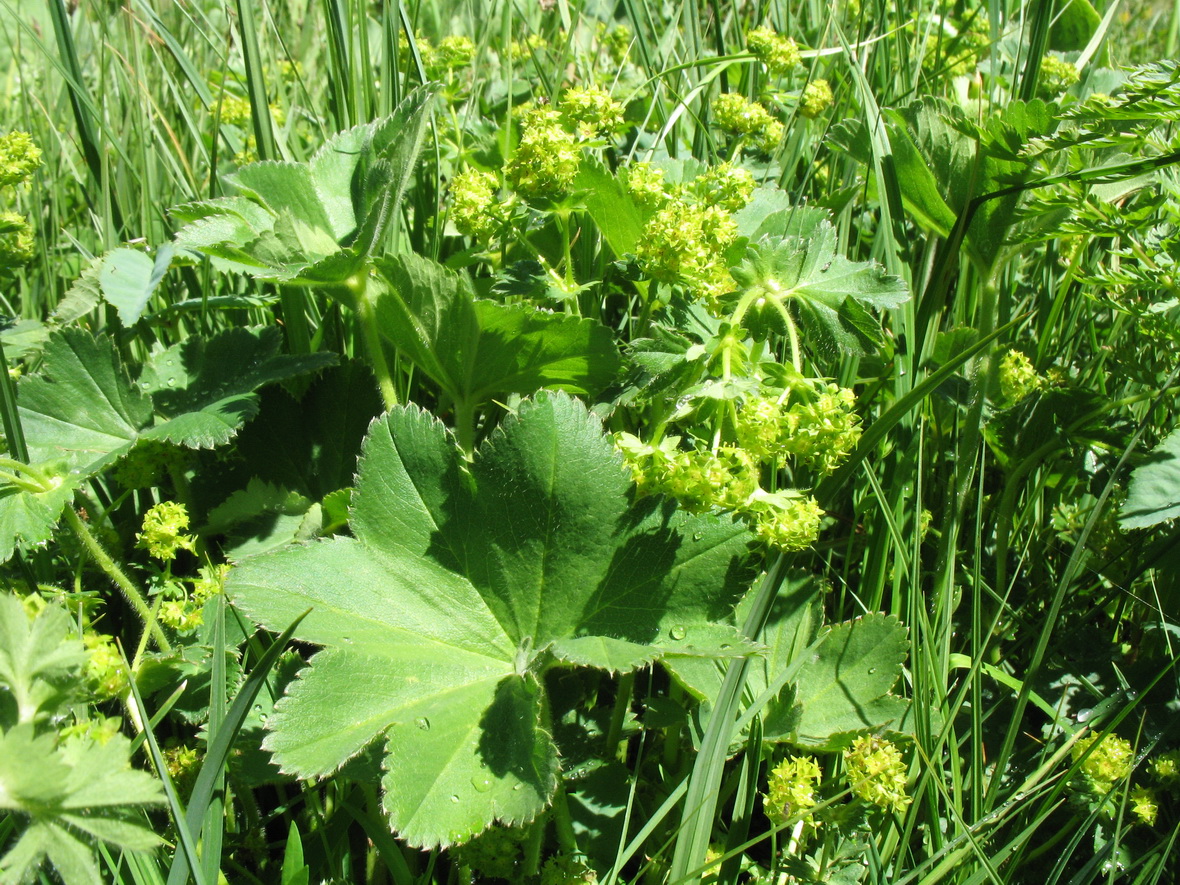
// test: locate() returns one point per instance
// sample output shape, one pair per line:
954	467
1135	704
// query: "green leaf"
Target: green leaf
314	223
1154	492
73	793
844	686
37	661
127	278
464	582
610	205
476	350
81	406
206	388
806	277
28	515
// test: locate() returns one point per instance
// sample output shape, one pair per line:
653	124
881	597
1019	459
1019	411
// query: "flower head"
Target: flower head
737	114
473	204
19	157
547	158
877	773
16	239
816	98
791	791
1109	762
778	53
591	112
163	531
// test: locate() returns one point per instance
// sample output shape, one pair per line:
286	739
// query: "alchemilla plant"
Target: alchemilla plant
588	443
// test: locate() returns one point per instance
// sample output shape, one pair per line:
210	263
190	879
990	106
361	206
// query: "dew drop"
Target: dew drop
872	670
454	798
423	723
482	784
696	536
515	787
678	632
171	382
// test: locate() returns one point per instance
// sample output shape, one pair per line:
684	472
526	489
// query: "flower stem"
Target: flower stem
130	592
359	284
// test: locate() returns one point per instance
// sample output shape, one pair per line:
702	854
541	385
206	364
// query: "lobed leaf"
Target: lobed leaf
464	582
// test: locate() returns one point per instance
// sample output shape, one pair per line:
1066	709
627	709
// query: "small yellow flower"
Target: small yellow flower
877	773
1144	805
791	791
19	157
163	531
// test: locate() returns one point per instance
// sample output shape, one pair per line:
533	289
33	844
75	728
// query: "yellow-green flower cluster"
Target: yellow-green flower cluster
700	479
727	187
496	853
821	429
474	207
16	239
785	520
1057	75
747	119
453	52
1165	768
686	242
235	110
645	183
1018	378
778	53
163	531
1108	763
547	158
617	41
591	112
564	869
1145	805
816	98
19	157
791	791
876	773
106	672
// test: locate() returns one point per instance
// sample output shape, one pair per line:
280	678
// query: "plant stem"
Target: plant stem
614	733
563	823
130	592
367	314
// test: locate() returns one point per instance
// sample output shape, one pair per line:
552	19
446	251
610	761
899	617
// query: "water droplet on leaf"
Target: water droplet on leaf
423	723
482	784
678	632
454	798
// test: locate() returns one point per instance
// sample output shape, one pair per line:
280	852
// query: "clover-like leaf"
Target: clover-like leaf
463	584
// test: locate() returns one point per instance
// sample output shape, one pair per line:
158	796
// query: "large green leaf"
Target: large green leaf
844	687
314	223
464	582
205	389
814	687
81	406
1154	493
475	349
67	795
